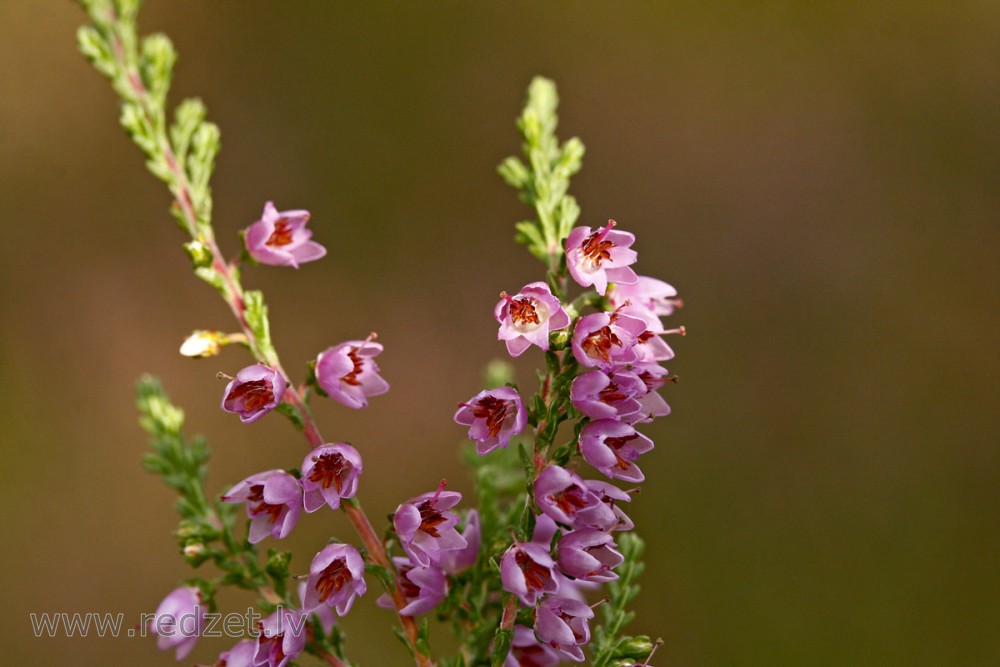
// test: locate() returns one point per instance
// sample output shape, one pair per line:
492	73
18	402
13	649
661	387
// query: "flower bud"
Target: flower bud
199	252
203	343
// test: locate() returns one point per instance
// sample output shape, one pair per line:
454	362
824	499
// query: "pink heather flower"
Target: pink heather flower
254	392
179	620
425	528
493	416
588	554
608	395
613	447
423	587
241	655
336	579
561	623
281	239
457	560
527	570
652	374
545	530
564	497
611	495
654	295
274	503
525	651
349	374
600	257
528	317
329	473
282	637
607	339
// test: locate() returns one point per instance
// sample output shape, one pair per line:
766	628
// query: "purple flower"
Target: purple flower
493	416
545	530
527	570
457	560
423	587
562	624
527	318
599	257
349	374
525	651
281	239
426	529
329	473
608	395
241	655
588	554
274	503
254	392
179	620
653	376
281	638
564	497
654	295
613	447
607	339
611	495
336	579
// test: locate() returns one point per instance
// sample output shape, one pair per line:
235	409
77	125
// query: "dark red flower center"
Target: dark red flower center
600	342
493	410
645	336
430	518
255	394
334	577
522	311
624	458
330	468
610	394
282	234
596	248
359	363
569	500
535	576
258	506
410	590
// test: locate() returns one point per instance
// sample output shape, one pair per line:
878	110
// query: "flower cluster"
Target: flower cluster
516	574
612	358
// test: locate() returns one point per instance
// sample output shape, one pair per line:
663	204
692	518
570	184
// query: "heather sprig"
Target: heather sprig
182	154
513	574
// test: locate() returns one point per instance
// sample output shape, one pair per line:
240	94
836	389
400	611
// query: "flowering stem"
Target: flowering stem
112	45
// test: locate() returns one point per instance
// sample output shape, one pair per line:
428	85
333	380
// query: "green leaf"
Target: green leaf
513	171
188	117
382	573
157	58
501	646
96	49
293	413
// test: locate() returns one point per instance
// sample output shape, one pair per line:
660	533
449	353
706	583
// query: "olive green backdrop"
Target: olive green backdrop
820	180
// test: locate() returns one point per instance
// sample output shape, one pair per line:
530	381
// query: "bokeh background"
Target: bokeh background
820	180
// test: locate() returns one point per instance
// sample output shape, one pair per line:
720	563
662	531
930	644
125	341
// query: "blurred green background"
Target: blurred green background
820	180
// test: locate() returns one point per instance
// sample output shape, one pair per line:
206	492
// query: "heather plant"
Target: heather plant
541	566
